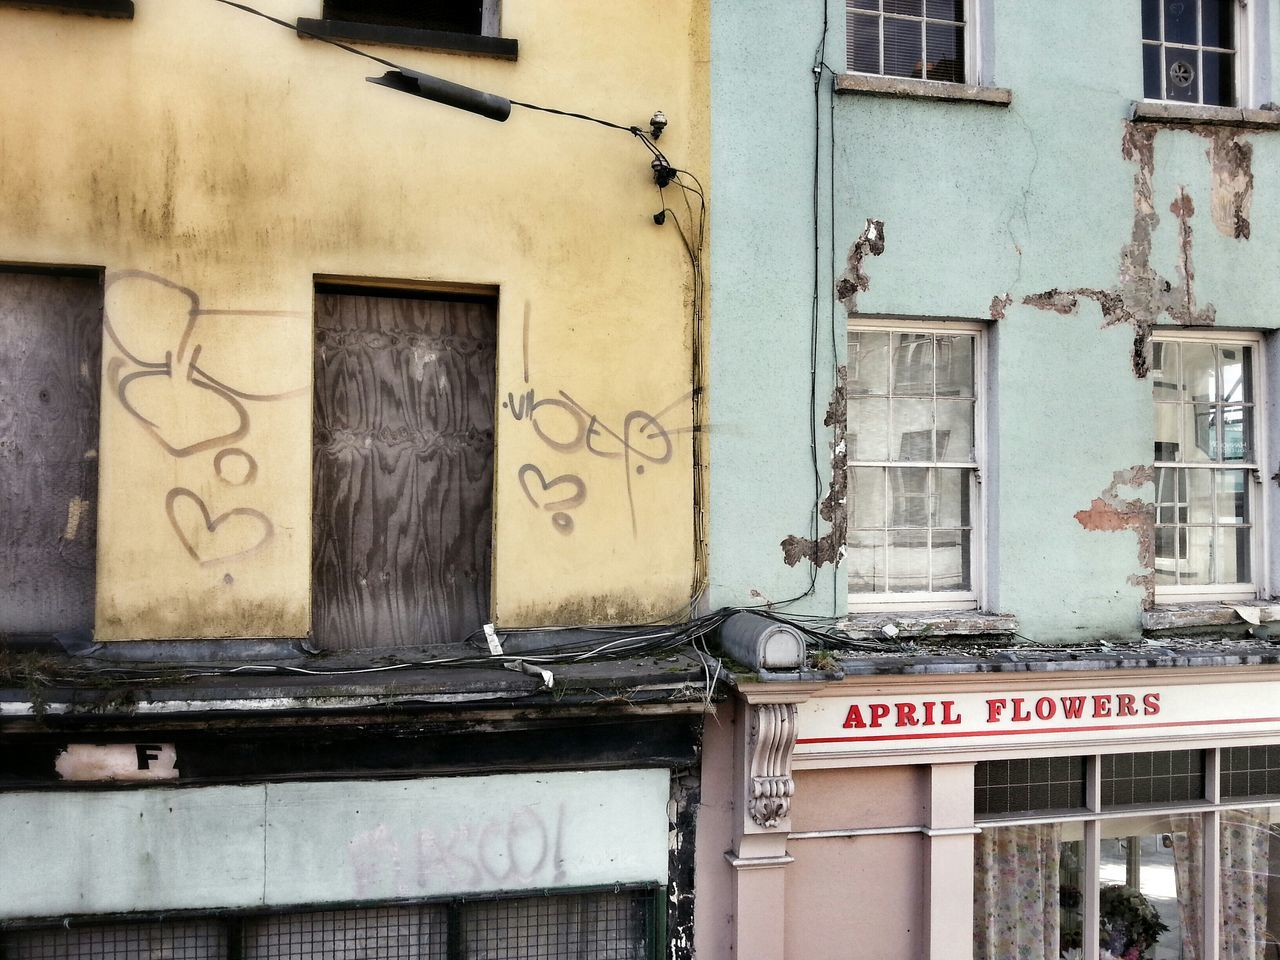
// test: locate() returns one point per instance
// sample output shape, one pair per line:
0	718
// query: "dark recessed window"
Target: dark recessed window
1189	51
1250	771
451	16
1169	776
1028	785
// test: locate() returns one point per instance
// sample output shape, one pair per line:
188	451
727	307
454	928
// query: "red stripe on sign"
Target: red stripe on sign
951	734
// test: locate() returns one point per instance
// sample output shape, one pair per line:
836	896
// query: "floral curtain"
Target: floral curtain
1246	866
1015	893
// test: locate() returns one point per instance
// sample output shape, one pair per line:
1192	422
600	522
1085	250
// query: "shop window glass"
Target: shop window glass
1150	898
1250	771
1027	892
1025	785
1168	776
1249	884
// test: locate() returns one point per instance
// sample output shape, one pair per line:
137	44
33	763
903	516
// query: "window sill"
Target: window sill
877	86
921	624
1216	613
115	9
1151	111
503	48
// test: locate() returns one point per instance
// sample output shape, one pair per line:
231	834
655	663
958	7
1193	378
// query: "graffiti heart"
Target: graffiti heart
235	533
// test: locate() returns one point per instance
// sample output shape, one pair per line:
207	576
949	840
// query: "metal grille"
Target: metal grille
1250	771
584	927
383	933
1028	785
1144	778
204	940
618	924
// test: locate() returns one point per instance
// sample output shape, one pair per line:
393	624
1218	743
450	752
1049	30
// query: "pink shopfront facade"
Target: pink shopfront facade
1071	810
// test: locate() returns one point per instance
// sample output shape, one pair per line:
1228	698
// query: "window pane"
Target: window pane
1199	433
1181	73
868	430
1166	369
1152	74
1166	556
1235	372
910	8
1027	893
955	430
865	4
912	438
866	497
866	561
1234	564
952	497
869	363
1233	496
1150	882
1168	499
1199	372
1250	771
1237	435
945	10
864	43
1218	21
908	561
1219	78
909	493
944	49
1168	418
955	366
1197	546
1150	19
1180	21
902	40
913	364
1197	490
1249	883
951	559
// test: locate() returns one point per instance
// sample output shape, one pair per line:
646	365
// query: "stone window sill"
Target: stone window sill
504	48
115	9
877	86
1150	111
922	624
1222	613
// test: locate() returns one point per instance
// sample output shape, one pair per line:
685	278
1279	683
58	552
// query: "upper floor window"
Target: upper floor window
1206	466
914	452
476	17
924	39
1190	51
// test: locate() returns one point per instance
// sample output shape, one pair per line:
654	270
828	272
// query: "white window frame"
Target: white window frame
974	598
977	40
1245	82
1259	502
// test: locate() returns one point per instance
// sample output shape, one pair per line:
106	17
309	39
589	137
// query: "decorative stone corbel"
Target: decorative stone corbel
771	786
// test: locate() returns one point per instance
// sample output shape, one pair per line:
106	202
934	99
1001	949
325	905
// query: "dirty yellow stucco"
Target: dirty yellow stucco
214	165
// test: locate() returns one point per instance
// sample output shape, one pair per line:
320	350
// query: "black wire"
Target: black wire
307	33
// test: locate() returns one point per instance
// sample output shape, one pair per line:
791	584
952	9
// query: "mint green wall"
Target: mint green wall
978	202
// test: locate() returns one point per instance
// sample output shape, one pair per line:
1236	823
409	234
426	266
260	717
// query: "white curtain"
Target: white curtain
1015	893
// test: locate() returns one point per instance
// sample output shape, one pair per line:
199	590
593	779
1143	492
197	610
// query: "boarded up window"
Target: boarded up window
50	359
402	472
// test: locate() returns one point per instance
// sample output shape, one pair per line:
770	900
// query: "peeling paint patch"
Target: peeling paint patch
75	513
999	305
1231	187
1109	512
1141	295
855	280
833	508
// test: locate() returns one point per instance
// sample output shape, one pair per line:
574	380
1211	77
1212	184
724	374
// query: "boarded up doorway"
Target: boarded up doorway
402	467
50	369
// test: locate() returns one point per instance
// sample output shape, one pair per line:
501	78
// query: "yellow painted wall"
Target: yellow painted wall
214	164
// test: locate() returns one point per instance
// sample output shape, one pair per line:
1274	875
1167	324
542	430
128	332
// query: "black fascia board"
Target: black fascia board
115	9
